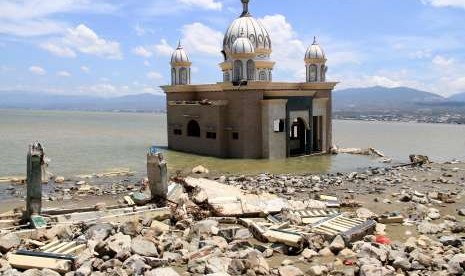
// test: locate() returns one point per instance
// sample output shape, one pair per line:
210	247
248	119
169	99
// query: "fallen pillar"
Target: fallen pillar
157	173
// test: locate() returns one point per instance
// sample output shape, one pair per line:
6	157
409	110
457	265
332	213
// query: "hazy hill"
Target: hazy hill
38	100
457	97
381	98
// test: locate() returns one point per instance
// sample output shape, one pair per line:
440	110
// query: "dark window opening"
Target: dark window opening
278	125
235	136
211	135
177	132
193	129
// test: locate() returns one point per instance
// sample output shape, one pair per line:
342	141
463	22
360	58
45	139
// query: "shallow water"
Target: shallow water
92	142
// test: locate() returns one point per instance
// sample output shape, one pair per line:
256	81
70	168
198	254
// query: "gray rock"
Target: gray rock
236	267
162	271
429	228
369	251
337	244
8	242
461	212
99	231
119	242
374	270
402	263
451	240
242	234
85	269
49	272
144	247
204	226
135	265
289	270
318	270
217	264
456	265
32	272
131	228
309	254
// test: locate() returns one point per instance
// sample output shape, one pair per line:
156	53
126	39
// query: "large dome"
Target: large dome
252	29
315	51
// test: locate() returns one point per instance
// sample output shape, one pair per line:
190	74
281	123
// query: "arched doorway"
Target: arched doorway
193	129
298	137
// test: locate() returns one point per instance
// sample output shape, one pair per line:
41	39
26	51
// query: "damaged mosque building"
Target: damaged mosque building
247	114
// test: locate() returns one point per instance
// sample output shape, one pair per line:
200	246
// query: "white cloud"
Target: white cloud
84	40
146	63
154	75
63	74
101	89
200	38
85	69
442	61
32	17
445	3
58	50
37	70
205	4
142	51
163	48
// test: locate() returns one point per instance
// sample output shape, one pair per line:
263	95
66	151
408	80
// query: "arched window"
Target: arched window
173	76
237	70
313	73
193	129
262	76
250	70
270	76
183	75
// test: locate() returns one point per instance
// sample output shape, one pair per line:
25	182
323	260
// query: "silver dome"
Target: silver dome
242	45
252	29
179	55
315	51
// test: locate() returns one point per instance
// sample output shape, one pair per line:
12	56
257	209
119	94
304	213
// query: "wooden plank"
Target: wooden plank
56	247
74	250
65	247
47	246
30	262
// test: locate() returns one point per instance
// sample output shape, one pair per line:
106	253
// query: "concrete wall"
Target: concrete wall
320	108
274	143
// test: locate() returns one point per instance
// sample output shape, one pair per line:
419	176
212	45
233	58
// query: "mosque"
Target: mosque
247	114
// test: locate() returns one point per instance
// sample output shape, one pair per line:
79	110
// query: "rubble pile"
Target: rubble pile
387	221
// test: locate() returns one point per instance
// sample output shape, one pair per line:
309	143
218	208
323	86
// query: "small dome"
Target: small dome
179	55
252	29
315	51
242	46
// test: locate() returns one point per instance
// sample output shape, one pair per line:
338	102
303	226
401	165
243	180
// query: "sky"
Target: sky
119	47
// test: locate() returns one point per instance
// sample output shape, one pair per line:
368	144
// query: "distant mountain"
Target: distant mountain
457	97
383	99
39	100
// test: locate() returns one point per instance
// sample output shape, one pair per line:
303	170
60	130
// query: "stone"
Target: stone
99	231
364	213
200	197
217	264
236	267
135	265
347	253
242	234
200	170
162	271
289	270
131	228
309	254
461	212
32	272
337	244
456	265
119	242
85	269
402	263
196	266
450	240
375	270
49	272
325	252
204	226
369	251
144	247
433	214
112	263
317	270
8	242
426	227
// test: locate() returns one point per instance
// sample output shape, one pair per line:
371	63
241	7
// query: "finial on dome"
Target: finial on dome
179	44
245	4
315	41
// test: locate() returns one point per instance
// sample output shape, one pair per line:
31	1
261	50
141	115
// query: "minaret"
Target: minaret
245	4
180	67
315	63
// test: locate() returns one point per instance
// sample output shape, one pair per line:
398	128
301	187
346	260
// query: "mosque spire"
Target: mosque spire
245	4
179	44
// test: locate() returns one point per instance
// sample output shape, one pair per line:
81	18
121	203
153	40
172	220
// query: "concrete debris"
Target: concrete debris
381	221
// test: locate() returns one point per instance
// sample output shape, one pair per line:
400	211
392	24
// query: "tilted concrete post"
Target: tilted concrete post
35	159
157	173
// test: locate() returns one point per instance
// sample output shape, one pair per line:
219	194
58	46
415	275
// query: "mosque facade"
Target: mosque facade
247	114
